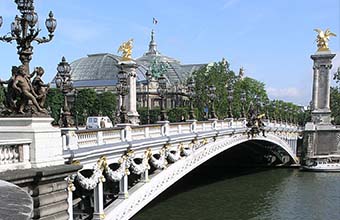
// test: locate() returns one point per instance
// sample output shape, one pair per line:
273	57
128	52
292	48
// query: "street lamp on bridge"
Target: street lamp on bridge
24	30
148	79
123	90
162	91
191	94
212	97
230	92
243	102
64	82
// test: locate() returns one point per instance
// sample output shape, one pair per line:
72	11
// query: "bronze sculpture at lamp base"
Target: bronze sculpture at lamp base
22	99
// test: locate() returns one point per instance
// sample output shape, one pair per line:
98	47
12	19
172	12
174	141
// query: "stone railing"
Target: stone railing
14	154
84	144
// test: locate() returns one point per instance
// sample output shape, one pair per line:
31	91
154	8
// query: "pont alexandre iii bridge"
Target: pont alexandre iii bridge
113	173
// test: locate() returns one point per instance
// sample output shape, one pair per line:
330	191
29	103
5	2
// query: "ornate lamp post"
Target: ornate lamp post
286	114
148	78
243	102
24	30
258	104
123	90
230	92
266	109
162	91
65	84
191	94
212	97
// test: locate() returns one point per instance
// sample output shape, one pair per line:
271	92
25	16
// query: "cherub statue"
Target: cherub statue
10	93
126	49
39	87
323	38
23	86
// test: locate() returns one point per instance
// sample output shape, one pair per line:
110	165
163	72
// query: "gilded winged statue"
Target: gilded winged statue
323	38
126	49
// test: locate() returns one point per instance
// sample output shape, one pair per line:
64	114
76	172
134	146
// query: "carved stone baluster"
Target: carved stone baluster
99	200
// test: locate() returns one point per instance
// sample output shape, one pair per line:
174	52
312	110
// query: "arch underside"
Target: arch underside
143	193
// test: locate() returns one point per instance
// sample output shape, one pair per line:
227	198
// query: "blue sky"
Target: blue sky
271	39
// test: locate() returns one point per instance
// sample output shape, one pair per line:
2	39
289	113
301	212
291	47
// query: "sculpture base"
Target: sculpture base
46	147
133	118
321	117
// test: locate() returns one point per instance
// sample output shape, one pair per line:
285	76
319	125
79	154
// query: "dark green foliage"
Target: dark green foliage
178	114
89	103
220	75
54	102
84	105
2	95
335	104
143	115
106	103
252	89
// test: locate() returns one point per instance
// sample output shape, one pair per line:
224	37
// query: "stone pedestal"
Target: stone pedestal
46	147
131	100
320	136
321	113
47	188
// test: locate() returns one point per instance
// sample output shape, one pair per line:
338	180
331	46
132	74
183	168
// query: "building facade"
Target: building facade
100	72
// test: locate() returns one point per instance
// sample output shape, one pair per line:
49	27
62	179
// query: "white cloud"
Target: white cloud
290	92
336	63
229	3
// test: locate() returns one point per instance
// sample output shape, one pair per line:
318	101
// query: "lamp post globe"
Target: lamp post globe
51	23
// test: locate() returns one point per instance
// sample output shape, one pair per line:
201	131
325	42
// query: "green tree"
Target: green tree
105	105
254	91
143	115
2	95
84	105
178	114
335	104
221	76
54	102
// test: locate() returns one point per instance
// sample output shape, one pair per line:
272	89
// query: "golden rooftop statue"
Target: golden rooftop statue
126	49
323	38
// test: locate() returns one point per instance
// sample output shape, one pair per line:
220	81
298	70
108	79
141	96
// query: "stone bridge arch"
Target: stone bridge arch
143	193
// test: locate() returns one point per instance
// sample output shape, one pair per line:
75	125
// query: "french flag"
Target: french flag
154	21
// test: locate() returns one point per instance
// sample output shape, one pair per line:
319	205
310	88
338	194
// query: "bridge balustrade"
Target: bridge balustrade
14	154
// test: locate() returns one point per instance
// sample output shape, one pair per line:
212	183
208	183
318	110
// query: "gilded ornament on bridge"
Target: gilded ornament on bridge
323	38
126	50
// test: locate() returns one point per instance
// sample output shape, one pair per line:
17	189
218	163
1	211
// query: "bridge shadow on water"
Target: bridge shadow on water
244	159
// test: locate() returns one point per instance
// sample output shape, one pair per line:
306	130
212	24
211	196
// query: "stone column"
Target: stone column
131	100
99	201
321	113
123	188
145	176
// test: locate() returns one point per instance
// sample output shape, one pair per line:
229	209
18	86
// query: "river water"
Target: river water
217	192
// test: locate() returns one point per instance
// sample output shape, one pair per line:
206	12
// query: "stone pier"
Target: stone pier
130	102
320	136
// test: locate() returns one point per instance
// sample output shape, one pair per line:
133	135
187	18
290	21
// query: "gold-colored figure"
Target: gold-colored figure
126	49
323	38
